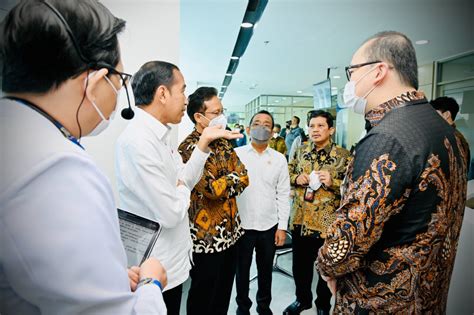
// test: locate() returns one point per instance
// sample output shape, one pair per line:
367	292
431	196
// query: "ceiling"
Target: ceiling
297	40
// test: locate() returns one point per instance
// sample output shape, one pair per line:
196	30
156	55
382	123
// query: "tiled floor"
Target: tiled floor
283	290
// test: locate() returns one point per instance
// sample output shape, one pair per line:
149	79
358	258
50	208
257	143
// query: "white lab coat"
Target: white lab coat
60	246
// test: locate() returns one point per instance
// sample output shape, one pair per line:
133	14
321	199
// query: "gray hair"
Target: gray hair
396	49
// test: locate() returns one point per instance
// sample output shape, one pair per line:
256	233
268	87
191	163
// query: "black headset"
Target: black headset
127	113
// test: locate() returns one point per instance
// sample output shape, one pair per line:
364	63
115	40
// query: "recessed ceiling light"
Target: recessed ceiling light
422	42
247	25
234	58
224	86
299	92
228	74
336	76
277	101
334	88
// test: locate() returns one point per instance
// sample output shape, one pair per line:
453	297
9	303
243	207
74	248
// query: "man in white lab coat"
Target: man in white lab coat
152	180
60	244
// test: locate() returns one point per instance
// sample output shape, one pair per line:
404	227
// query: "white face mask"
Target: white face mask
104	123
351	100
275	135
219	120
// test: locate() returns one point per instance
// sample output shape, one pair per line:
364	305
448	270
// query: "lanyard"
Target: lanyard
56	123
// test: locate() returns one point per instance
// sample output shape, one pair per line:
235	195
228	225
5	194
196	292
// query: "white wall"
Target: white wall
152	33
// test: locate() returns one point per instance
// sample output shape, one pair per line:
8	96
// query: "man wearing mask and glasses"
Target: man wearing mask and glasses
264	208
61	251
213	217
393	244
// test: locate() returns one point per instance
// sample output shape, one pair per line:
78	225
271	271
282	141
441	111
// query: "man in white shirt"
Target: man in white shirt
152	180
61	251
264	208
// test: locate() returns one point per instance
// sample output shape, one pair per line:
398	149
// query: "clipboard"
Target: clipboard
138	236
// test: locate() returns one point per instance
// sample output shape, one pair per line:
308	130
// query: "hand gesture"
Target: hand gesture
302	179
325	178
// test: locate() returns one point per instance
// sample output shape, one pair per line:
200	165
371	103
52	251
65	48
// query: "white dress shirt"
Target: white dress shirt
147	172
60	246
266	201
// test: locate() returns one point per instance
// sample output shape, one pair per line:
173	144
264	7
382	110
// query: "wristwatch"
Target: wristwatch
149	281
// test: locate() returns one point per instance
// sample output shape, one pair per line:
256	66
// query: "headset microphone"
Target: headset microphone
127	113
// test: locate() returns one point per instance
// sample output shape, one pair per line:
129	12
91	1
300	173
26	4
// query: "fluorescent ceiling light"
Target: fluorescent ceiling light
247	25
336	76
234	58
299	92
422	42
224	86
228	74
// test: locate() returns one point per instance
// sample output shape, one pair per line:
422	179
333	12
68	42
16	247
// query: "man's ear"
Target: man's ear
332	130
447	115
91	82
247	130
161	94
197	117
382	71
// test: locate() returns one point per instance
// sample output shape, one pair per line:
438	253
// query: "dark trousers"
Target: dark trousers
172	299
212	278
264	244
305	252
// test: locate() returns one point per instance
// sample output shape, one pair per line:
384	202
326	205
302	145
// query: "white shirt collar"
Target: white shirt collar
250	148
159	129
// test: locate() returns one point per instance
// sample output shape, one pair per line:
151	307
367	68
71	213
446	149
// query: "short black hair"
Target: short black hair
262	112
444	104
38	52
396	49
197	99
277	126
321	113
149	77
297	119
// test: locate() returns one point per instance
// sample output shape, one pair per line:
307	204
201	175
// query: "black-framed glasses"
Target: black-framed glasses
124	77
349	68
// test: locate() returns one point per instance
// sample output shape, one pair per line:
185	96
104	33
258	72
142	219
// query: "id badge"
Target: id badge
309	194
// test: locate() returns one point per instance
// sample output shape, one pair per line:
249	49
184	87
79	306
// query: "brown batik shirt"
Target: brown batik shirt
393	244
316	216
214	220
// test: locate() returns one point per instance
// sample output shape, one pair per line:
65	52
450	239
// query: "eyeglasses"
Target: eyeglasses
124	78
360	65
216	113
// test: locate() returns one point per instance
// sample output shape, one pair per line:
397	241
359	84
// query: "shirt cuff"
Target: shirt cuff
283	225
200	155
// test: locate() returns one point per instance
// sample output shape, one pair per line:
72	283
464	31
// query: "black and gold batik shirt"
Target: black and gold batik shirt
214	219
393	244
